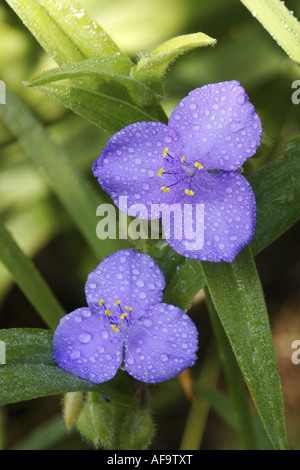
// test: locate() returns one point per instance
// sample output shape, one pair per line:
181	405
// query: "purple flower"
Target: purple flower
125	320
191	161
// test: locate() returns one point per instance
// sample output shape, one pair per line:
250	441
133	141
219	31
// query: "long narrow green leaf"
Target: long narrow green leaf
99	68
152	67
29	279
65	30
238	298
234	380
44	436
277	191
107	112
70	186
30	372
279	22
223	406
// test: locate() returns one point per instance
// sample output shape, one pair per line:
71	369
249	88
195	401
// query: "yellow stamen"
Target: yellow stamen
101	302
165	190
198	165
128	308
123	315
165	152
117	302
115	328
160	172
108	313
182	159
189	192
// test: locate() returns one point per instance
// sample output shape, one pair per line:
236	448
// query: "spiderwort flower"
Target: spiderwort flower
125	317
192	160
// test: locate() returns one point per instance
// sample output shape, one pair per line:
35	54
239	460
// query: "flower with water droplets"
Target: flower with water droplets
191	161
125	321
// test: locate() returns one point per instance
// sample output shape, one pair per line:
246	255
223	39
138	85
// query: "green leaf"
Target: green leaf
70	186
238	298
65	30
104	111
219	402
30	372
184	277
277	190
234	380
45	436
29	279
279	22
99	68
223	406
151	67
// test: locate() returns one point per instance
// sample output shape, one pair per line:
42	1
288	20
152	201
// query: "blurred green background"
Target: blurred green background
244	52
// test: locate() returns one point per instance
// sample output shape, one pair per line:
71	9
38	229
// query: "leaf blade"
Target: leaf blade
152	67
104	68
71	187
29	279
65	30
30	372
106	112
277	190
238	298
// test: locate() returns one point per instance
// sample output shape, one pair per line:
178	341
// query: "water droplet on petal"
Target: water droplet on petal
164	357
84	338
75	355
241	99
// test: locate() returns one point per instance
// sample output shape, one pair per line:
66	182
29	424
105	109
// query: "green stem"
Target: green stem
233	379
199	409
279	22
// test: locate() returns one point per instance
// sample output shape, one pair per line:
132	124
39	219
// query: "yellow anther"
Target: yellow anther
198	165
128	308
189	192
160	172
108	313
123	315
117	302
101	301
165	190
165	152
182	159
115	328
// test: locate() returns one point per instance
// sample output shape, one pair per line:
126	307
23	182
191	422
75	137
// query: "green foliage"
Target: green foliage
29	279
99	82
277	190
29	371
151	67
114	427
279	22
238	298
